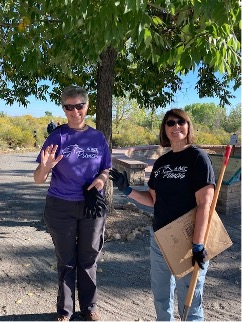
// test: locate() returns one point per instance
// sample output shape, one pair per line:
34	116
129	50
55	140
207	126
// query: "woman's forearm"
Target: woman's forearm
104	175
142	197
204	199
201	223
41	174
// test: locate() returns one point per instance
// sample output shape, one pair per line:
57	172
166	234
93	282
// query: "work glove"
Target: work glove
199	255
95	205
120	180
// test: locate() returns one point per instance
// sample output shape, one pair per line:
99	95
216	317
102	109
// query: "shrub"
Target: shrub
134	135
19	131
14	136
206	138
217	137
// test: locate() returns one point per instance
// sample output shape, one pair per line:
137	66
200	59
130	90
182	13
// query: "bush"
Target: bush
217	137
134	135
206	138
19	132
14	137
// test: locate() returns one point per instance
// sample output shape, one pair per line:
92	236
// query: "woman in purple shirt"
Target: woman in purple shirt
78	158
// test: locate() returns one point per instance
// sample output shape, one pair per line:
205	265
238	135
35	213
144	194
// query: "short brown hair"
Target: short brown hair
180	114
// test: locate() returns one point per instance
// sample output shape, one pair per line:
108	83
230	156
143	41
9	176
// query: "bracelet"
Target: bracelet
127	191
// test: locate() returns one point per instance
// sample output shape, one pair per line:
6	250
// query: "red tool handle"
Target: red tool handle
227	154
195	272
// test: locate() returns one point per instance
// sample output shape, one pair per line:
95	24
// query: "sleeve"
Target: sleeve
151	181
53	138
106	162
203	173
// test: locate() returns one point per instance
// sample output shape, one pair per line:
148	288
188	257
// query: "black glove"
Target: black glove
120	180
95	205
199	257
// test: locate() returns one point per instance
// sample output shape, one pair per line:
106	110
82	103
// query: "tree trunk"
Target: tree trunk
105	82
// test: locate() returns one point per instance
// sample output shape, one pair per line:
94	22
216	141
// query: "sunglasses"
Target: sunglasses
70	107
180	122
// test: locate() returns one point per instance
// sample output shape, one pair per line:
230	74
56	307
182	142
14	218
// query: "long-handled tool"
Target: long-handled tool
195	273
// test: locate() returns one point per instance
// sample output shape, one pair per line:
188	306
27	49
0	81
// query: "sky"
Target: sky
186	96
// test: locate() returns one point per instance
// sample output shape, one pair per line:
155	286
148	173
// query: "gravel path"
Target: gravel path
27	271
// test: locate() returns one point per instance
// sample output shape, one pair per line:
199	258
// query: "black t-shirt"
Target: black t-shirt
175	177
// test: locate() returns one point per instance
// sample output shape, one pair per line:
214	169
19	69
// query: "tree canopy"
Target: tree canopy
112	47
210	115
62	41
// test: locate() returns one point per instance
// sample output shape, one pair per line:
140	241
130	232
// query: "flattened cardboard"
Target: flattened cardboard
175	241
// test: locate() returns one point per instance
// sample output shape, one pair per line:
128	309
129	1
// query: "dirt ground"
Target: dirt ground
28	278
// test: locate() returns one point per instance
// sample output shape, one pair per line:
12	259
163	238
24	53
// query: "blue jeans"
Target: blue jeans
163	285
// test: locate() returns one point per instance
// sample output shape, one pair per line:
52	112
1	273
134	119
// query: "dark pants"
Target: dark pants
78	241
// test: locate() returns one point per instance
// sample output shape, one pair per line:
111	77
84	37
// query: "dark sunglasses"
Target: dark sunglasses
70	107
180	122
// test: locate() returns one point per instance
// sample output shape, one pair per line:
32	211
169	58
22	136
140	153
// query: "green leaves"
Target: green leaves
59	38
147	37
134	5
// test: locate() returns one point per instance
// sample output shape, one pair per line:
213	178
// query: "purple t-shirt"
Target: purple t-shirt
85	155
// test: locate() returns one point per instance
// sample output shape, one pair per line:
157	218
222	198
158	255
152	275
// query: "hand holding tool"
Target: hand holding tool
199	257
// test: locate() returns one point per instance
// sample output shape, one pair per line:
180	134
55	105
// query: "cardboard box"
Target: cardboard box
175	242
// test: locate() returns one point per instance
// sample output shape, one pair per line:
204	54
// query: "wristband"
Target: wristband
197	247
127	191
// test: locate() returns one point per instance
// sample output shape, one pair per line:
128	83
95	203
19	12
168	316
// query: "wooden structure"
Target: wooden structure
229	200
